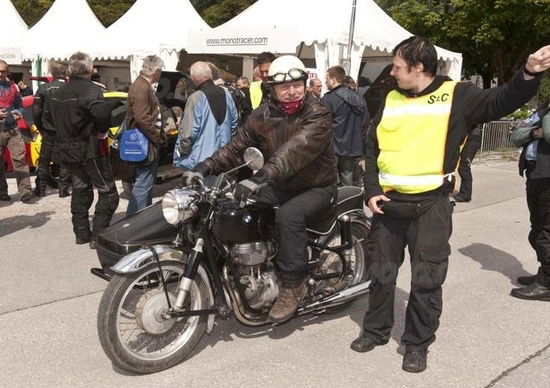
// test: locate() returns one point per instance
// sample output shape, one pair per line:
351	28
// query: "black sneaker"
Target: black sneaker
365	343
415	361
5	197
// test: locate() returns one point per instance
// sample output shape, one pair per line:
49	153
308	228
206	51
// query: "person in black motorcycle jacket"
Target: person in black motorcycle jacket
82	118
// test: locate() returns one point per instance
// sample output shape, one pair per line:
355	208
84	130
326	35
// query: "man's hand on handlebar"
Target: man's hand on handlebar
195	175
249	186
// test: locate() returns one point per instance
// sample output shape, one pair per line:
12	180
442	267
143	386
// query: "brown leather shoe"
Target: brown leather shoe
287	302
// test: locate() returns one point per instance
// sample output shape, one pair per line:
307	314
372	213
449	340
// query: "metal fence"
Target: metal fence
496	137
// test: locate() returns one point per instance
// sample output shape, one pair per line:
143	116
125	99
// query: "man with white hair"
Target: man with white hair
81	118
144	114
209	120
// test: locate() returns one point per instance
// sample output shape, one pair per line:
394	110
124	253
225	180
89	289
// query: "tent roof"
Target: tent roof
67	27
319	21
13	26
150	25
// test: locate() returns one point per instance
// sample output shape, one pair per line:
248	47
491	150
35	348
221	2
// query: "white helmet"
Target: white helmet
286	68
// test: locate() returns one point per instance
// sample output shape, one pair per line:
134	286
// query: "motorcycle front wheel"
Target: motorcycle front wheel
132	327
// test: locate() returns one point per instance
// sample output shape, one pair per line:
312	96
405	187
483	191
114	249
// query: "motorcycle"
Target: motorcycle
162	298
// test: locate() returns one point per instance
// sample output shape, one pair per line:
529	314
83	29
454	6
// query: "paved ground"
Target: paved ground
487	338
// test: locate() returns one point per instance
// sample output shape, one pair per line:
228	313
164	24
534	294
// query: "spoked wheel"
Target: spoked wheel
356	260
133	328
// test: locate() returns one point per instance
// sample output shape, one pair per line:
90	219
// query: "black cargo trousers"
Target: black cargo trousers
95	172
538	202
427	237
292	214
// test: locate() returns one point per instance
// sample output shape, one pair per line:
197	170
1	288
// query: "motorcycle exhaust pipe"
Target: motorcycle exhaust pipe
338	298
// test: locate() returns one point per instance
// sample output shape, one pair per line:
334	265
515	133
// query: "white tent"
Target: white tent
151	27
283	25
13	33
67	27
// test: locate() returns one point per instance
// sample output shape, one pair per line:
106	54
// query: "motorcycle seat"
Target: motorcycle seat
349	198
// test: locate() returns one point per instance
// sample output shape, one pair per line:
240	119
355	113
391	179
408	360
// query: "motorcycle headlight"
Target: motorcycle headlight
176	205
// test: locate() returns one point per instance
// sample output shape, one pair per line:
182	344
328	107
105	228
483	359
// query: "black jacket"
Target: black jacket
471	106
350	119
78	113
41	109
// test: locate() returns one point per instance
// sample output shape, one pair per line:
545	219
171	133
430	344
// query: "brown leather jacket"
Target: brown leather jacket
143	109
297	149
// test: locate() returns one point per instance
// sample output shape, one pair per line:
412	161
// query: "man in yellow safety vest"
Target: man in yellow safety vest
412	150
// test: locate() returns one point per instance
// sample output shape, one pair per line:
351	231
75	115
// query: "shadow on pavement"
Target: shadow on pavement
16	223
495	260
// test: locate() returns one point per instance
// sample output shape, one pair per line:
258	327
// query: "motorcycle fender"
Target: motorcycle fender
138	259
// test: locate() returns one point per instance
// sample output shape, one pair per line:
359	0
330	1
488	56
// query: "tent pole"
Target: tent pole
350	36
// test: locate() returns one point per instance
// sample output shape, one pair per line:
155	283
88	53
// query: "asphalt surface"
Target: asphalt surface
49	301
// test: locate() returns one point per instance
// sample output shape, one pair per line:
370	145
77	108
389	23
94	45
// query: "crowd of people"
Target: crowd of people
311	143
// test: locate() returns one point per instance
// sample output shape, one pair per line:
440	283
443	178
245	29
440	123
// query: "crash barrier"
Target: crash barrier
496	137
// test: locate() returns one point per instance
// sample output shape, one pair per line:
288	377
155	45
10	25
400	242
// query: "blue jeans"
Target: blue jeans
142	194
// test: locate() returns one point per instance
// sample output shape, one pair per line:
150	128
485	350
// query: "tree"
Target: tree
494	36
107	11
224	10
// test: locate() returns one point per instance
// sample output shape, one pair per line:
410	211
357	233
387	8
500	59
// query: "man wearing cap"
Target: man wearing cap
293	131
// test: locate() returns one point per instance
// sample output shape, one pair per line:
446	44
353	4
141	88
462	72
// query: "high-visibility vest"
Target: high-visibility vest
256	94
412	135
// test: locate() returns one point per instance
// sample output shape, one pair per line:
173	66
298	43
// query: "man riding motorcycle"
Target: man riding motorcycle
292	130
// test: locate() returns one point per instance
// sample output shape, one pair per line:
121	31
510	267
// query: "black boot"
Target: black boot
535	291
415	361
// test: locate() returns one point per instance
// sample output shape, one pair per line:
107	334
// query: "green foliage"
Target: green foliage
543	94
214	12
224	10
494	36
107	11
520	114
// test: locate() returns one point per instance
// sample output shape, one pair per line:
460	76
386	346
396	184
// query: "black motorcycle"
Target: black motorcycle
162	298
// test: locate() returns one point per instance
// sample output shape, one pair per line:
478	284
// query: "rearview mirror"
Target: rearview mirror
253	158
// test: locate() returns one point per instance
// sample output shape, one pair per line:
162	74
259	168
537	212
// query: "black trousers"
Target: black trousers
94	172
427	238
43	172
538	201
465	166
295	209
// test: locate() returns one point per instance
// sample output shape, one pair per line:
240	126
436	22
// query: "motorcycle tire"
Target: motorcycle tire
130	306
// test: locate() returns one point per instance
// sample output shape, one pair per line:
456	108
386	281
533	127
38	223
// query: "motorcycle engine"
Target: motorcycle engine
257	272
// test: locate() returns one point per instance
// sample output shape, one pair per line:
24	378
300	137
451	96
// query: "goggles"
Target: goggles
292	75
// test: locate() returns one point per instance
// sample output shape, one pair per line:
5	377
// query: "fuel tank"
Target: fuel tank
235	225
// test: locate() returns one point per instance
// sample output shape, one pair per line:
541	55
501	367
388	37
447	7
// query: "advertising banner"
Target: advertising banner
242	41
11	55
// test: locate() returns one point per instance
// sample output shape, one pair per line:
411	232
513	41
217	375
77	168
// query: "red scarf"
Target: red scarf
290	107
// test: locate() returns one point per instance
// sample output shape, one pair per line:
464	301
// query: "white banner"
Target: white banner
11	55
242	41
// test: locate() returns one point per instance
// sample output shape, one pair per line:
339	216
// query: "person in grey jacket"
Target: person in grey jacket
534	136
350	119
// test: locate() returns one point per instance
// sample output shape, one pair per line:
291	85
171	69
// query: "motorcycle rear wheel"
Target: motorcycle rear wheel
358	260
130	326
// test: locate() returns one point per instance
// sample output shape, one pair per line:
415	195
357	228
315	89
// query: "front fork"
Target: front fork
185	282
